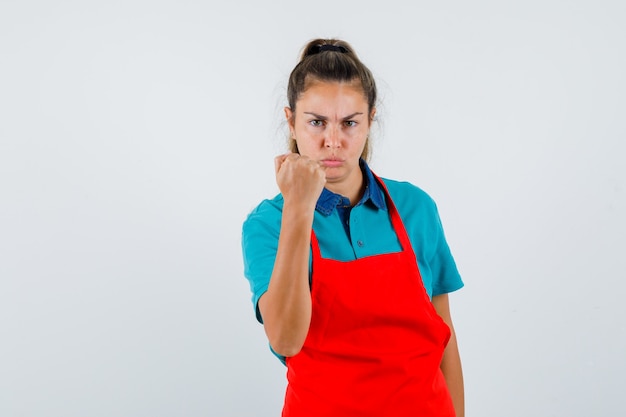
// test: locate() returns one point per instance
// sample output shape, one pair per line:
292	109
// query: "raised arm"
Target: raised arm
286	305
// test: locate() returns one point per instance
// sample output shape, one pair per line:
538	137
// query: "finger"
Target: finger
317	164
278	161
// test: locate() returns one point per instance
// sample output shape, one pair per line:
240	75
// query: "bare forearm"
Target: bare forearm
286	306
451	361
453	374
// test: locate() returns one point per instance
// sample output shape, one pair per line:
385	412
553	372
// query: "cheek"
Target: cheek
301	127
358	136
311	133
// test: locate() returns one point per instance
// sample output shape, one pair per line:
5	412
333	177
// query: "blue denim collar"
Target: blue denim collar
373	193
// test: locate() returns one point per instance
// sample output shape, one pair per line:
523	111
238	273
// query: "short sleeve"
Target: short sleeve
422	222
259	241
445	274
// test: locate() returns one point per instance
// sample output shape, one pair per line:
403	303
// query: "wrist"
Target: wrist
298	213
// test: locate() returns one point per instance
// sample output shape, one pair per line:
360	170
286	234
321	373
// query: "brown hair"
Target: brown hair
330	60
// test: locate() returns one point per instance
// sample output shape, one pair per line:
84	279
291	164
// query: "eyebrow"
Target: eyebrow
320	117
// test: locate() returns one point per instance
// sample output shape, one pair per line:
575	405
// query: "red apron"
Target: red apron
375	342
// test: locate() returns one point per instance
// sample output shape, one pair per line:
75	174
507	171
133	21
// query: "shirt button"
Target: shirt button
360	243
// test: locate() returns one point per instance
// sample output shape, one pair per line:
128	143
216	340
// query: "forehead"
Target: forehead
319	93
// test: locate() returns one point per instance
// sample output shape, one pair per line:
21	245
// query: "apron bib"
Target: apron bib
375	341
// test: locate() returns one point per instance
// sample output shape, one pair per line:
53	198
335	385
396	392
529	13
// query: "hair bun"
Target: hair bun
322	45
327	47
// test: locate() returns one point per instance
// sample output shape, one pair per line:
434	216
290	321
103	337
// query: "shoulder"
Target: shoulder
266	214
405	194
267	208
416	207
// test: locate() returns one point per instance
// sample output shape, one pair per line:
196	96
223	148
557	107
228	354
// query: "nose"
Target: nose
332	138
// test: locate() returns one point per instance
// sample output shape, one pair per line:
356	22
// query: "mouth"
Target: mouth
331	162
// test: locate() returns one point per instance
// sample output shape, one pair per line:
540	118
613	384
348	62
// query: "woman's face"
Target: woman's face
330	125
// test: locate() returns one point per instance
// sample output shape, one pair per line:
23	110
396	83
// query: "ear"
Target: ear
372	114
290	121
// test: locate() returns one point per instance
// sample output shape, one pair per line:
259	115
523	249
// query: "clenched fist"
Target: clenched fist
300	179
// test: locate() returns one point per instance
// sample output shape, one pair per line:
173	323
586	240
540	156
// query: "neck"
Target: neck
353	191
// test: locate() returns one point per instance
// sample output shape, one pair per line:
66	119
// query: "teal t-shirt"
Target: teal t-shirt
351	233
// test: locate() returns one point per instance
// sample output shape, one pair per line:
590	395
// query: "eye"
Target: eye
350	123
317	123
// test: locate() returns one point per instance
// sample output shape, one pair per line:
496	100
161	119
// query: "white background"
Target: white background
135	136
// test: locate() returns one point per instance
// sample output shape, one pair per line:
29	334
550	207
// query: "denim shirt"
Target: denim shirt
373	194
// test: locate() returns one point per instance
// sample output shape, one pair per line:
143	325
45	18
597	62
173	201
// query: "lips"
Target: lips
332	162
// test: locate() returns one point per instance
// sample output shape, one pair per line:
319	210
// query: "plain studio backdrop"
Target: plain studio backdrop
135	137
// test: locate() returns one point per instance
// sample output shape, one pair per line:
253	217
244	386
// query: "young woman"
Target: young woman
350	272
